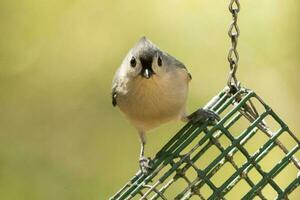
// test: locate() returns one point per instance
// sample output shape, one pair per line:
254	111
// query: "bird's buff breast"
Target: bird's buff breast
150	102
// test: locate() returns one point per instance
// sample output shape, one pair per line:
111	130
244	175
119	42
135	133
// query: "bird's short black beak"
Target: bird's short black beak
147	70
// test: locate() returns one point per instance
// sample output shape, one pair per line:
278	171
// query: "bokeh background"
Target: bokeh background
60	138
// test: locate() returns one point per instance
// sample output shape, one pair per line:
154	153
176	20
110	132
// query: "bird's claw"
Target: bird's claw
145	164
202	115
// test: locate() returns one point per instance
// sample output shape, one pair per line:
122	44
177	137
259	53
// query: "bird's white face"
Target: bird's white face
145	60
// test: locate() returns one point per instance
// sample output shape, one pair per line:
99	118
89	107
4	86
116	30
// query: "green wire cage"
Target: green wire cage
249	154
245	119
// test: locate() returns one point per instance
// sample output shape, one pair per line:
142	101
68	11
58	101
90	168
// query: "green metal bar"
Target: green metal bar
126	186
230	160
228	102
141	181
292	186
251	160
166	175
175	138
259	169
235	142
220	157
176	152
272	173
141	184
209	144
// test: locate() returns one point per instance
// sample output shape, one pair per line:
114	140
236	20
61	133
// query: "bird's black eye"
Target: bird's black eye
159	61
132	62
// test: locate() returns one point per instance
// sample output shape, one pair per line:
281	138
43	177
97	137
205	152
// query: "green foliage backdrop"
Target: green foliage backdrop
60	138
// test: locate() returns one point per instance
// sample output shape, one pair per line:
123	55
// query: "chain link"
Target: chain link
234	33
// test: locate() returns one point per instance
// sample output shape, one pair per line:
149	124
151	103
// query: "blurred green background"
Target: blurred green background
60	138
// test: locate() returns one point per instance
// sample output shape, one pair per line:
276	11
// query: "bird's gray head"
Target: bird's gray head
145	59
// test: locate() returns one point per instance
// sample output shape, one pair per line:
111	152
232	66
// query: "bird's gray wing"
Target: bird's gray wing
114	95
178	64
114	92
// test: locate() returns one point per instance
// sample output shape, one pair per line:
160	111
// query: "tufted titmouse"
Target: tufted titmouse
150	88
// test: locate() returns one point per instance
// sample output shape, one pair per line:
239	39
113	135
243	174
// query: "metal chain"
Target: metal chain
233	56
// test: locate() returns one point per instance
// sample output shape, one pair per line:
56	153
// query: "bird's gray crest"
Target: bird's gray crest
144	47
145	42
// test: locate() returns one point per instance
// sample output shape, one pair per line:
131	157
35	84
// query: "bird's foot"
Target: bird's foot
145	164
202	115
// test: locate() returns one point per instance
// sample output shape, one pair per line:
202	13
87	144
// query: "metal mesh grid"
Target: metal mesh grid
235	162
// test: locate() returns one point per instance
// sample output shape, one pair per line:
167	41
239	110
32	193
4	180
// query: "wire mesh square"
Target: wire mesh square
249	152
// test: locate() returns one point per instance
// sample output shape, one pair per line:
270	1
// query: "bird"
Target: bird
151	88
